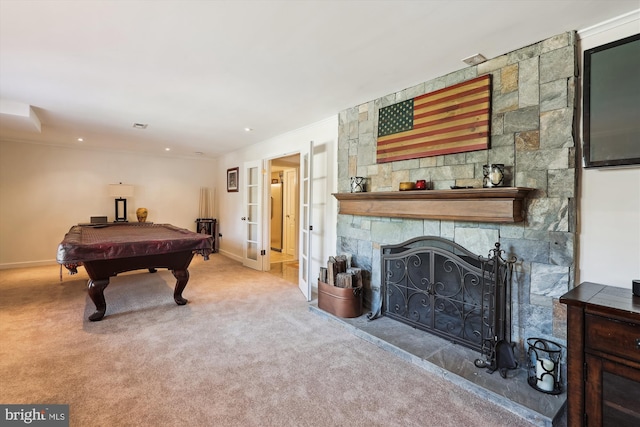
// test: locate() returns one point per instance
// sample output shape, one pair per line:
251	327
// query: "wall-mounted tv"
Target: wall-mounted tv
611	104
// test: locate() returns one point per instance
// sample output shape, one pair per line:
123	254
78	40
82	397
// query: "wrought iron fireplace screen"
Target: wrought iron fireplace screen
438	286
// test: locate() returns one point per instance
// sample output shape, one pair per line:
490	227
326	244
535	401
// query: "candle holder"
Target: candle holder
358	184
493	175
544	365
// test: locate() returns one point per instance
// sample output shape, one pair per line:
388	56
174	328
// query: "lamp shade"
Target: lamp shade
205	209
120	190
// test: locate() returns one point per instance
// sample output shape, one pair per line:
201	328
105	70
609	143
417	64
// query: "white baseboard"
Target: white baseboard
27	264
230	255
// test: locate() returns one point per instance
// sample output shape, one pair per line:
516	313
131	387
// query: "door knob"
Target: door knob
244	218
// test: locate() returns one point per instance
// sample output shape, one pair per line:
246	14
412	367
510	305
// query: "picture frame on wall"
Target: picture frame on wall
232	180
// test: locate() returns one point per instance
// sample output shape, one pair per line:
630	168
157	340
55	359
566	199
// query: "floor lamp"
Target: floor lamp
121	191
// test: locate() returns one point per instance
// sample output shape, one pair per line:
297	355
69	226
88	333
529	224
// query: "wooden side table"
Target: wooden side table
603	356
209	226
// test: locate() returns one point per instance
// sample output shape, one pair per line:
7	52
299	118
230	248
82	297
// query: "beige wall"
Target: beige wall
609	205
44	190
324	134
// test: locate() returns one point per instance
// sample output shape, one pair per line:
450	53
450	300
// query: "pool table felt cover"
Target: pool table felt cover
113	241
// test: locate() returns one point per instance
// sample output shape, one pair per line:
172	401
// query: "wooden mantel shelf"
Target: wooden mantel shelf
497	204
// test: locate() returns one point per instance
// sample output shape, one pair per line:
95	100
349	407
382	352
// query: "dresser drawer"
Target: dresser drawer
613	337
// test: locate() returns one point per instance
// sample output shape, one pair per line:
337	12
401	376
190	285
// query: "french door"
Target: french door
254	247
253	251
306	178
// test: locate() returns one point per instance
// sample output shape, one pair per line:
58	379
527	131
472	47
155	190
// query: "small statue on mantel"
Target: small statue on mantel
142	213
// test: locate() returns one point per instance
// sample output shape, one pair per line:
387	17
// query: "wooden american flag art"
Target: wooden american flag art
450	120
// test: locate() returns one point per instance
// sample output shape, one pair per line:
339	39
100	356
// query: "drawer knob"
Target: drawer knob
637	343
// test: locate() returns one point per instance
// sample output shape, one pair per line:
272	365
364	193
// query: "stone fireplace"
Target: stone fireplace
532	133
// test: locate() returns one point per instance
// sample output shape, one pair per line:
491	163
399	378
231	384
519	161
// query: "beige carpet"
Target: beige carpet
245	351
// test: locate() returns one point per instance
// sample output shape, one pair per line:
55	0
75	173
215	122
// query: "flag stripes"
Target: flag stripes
451	120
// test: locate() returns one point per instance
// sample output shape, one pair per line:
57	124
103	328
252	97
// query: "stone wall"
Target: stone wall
532	133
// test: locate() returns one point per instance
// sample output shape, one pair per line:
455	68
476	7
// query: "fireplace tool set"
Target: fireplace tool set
499	350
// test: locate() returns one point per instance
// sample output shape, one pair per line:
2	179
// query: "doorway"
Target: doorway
283	221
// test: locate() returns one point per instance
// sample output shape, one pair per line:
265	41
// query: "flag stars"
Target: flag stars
396	118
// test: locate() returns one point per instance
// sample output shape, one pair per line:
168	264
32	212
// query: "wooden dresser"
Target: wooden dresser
603	356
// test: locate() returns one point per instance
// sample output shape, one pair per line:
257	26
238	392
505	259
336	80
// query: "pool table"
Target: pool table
108	249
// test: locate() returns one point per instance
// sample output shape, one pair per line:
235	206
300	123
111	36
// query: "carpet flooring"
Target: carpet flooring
245	351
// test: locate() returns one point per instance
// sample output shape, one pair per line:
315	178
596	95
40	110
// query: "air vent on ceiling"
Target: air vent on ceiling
476	59
140	125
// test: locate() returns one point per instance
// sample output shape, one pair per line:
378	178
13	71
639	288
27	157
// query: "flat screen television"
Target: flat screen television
611	104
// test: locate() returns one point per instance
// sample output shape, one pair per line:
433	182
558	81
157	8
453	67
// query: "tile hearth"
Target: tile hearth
455	363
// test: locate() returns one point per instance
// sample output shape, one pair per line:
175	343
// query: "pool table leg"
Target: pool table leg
182	277
96	292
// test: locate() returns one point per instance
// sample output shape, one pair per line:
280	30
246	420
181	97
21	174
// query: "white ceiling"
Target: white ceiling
199	72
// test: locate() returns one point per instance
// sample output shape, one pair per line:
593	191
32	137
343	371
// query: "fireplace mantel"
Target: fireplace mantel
497	204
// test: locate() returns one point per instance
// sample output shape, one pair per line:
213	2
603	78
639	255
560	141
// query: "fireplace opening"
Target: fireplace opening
438	286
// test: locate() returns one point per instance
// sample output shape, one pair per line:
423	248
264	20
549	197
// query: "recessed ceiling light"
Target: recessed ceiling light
476	59
80	139
140	125
167	149
248	129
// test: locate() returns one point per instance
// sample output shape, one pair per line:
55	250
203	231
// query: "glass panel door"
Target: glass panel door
306	171
252	219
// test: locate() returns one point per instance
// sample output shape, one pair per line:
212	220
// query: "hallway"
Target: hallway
284	266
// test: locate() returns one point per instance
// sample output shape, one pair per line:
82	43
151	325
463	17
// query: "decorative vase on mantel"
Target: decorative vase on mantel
493	175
